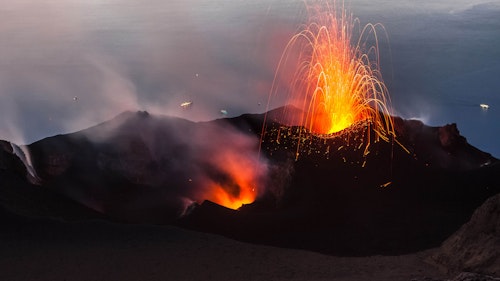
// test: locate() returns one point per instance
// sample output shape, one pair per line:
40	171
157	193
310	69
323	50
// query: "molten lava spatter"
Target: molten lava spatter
221	196
234	180
337	82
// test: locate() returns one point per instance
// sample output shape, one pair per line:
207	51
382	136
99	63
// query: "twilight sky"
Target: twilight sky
67	65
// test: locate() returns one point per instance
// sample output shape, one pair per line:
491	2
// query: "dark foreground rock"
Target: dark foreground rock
468	276
464	276
476	246
48	250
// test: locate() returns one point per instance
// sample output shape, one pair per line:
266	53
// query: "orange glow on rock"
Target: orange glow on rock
235	179
224	198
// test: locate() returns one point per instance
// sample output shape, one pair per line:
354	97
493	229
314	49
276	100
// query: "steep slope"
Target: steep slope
476	246
351	193
18	195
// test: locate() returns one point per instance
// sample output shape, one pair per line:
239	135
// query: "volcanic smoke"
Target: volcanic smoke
337	81
336	84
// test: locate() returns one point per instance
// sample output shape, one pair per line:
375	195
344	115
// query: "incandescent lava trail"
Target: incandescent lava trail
337	81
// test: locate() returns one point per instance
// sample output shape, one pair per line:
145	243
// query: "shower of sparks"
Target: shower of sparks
337	80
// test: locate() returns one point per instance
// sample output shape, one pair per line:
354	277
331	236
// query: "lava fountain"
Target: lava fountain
337	80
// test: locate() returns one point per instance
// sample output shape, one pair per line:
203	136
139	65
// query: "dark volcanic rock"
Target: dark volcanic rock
476	246
468	276
464	276
395	199
331	194
20	197
143	168
440	147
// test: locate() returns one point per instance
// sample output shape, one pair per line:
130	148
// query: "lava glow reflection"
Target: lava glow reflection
221	196
235	179
337	81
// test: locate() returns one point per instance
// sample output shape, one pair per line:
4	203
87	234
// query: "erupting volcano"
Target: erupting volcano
185	128
337	81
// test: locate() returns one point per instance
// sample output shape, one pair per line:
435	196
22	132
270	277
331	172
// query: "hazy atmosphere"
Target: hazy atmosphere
68	65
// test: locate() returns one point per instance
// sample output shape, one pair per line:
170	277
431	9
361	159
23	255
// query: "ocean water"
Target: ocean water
67	65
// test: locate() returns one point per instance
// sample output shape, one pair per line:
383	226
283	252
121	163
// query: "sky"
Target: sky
68	65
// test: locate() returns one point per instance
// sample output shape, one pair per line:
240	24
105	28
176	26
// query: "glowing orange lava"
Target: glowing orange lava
221	196
236	181
337	81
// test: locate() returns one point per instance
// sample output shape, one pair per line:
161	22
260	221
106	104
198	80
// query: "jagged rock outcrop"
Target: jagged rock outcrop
476	246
